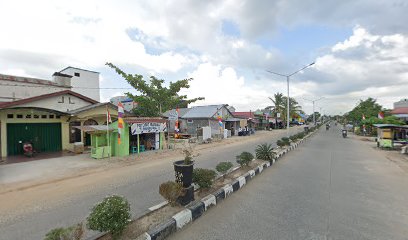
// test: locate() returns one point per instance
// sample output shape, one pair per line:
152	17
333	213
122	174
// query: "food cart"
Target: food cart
390	134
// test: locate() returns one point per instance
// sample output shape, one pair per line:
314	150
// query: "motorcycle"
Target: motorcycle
28	149
344	133
327	126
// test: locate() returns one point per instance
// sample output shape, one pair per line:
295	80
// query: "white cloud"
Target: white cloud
221	85
365	65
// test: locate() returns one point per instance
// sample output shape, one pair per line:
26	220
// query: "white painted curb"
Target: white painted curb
241	181
208	201
260	167
183	217
251	173
144	236
228	190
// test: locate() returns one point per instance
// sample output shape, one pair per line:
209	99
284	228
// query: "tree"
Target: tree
154	98
368	108
294	108
278	103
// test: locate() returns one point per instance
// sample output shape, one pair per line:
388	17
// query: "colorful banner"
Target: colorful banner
120	120
381	115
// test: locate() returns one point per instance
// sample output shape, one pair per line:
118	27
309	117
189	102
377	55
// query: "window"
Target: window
62	100
28	116
10	115
19	116
43	116
51	116
189	121
36	116
70	101
74	133
58	117
77	74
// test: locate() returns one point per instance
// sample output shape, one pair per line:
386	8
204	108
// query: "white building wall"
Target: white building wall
401	103
86	84
15	90
63	103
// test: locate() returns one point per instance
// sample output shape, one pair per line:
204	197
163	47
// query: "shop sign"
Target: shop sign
147	127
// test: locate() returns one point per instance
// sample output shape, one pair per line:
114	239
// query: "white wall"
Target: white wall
86	84
61	103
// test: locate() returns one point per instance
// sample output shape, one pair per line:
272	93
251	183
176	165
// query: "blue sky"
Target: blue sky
359	47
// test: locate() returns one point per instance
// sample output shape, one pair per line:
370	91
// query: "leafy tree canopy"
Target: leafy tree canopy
154	98
368	108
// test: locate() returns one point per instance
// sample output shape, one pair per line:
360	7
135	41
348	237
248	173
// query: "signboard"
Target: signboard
148	127
278	115
173	116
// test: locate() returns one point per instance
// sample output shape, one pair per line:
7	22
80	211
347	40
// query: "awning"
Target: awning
233	119
390	126
95	128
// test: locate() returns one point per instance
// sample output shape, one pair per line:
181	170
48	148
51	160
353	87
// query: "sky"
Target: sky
359	47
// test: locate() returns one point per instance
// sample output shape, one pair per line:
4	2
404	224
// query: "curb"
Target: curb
197	209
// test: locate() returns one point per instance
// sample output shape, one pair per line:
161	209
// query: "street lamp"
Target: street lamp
287	79
313	101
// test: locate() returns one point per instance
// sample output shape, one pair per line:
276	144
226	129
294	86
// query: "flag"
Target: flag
120	120
108	116
381	115
363	117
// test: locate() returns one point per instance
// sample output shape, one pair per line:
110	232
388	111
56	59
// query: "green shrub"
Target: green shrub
280	143
223	167
204	177
244	158
264	152
171	191
286	141
293	138
111	215
72	233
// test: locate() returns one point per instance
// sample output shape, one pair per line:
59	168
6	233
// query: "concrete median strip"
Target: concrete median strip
196	209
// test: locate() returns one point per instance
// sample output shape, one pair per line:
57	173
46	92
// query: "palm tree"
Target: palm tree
294	107
278	105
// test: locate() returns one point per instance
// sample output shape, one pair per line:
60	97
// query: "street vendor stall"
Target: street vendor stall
390	134
100	140
146	133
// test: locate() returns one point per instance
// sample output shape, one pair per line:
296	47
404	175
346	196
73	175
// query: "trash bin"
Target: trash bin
78	147
306	128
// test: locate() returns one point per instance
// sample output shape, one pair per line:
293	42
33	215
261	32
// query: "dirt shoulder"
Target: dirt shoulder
395	156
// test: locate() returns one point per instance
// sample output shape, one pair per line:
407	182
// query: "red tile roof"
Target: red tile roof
144	119
402	110
244	114
40	97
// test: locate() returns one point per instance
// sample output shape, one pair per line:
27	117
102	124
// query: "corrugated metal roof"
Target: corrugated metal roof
182	111
390	126
202	111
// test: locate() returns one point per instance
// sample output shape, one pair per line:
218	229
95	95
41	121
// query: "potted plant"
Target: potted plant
184	168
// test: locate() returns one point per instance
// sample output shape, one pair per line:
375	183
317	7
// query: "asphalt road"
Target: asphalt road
139	186
329	188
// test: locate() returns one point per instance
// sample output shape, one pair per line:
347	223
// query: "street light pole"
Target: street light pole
288	100
314	114
287	116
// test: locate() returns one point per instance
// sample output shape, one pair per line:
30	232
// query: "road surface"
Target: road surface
139	183
329	188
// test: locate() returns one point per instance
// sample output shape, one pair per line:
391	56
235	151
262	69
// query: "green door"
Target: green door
45	137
